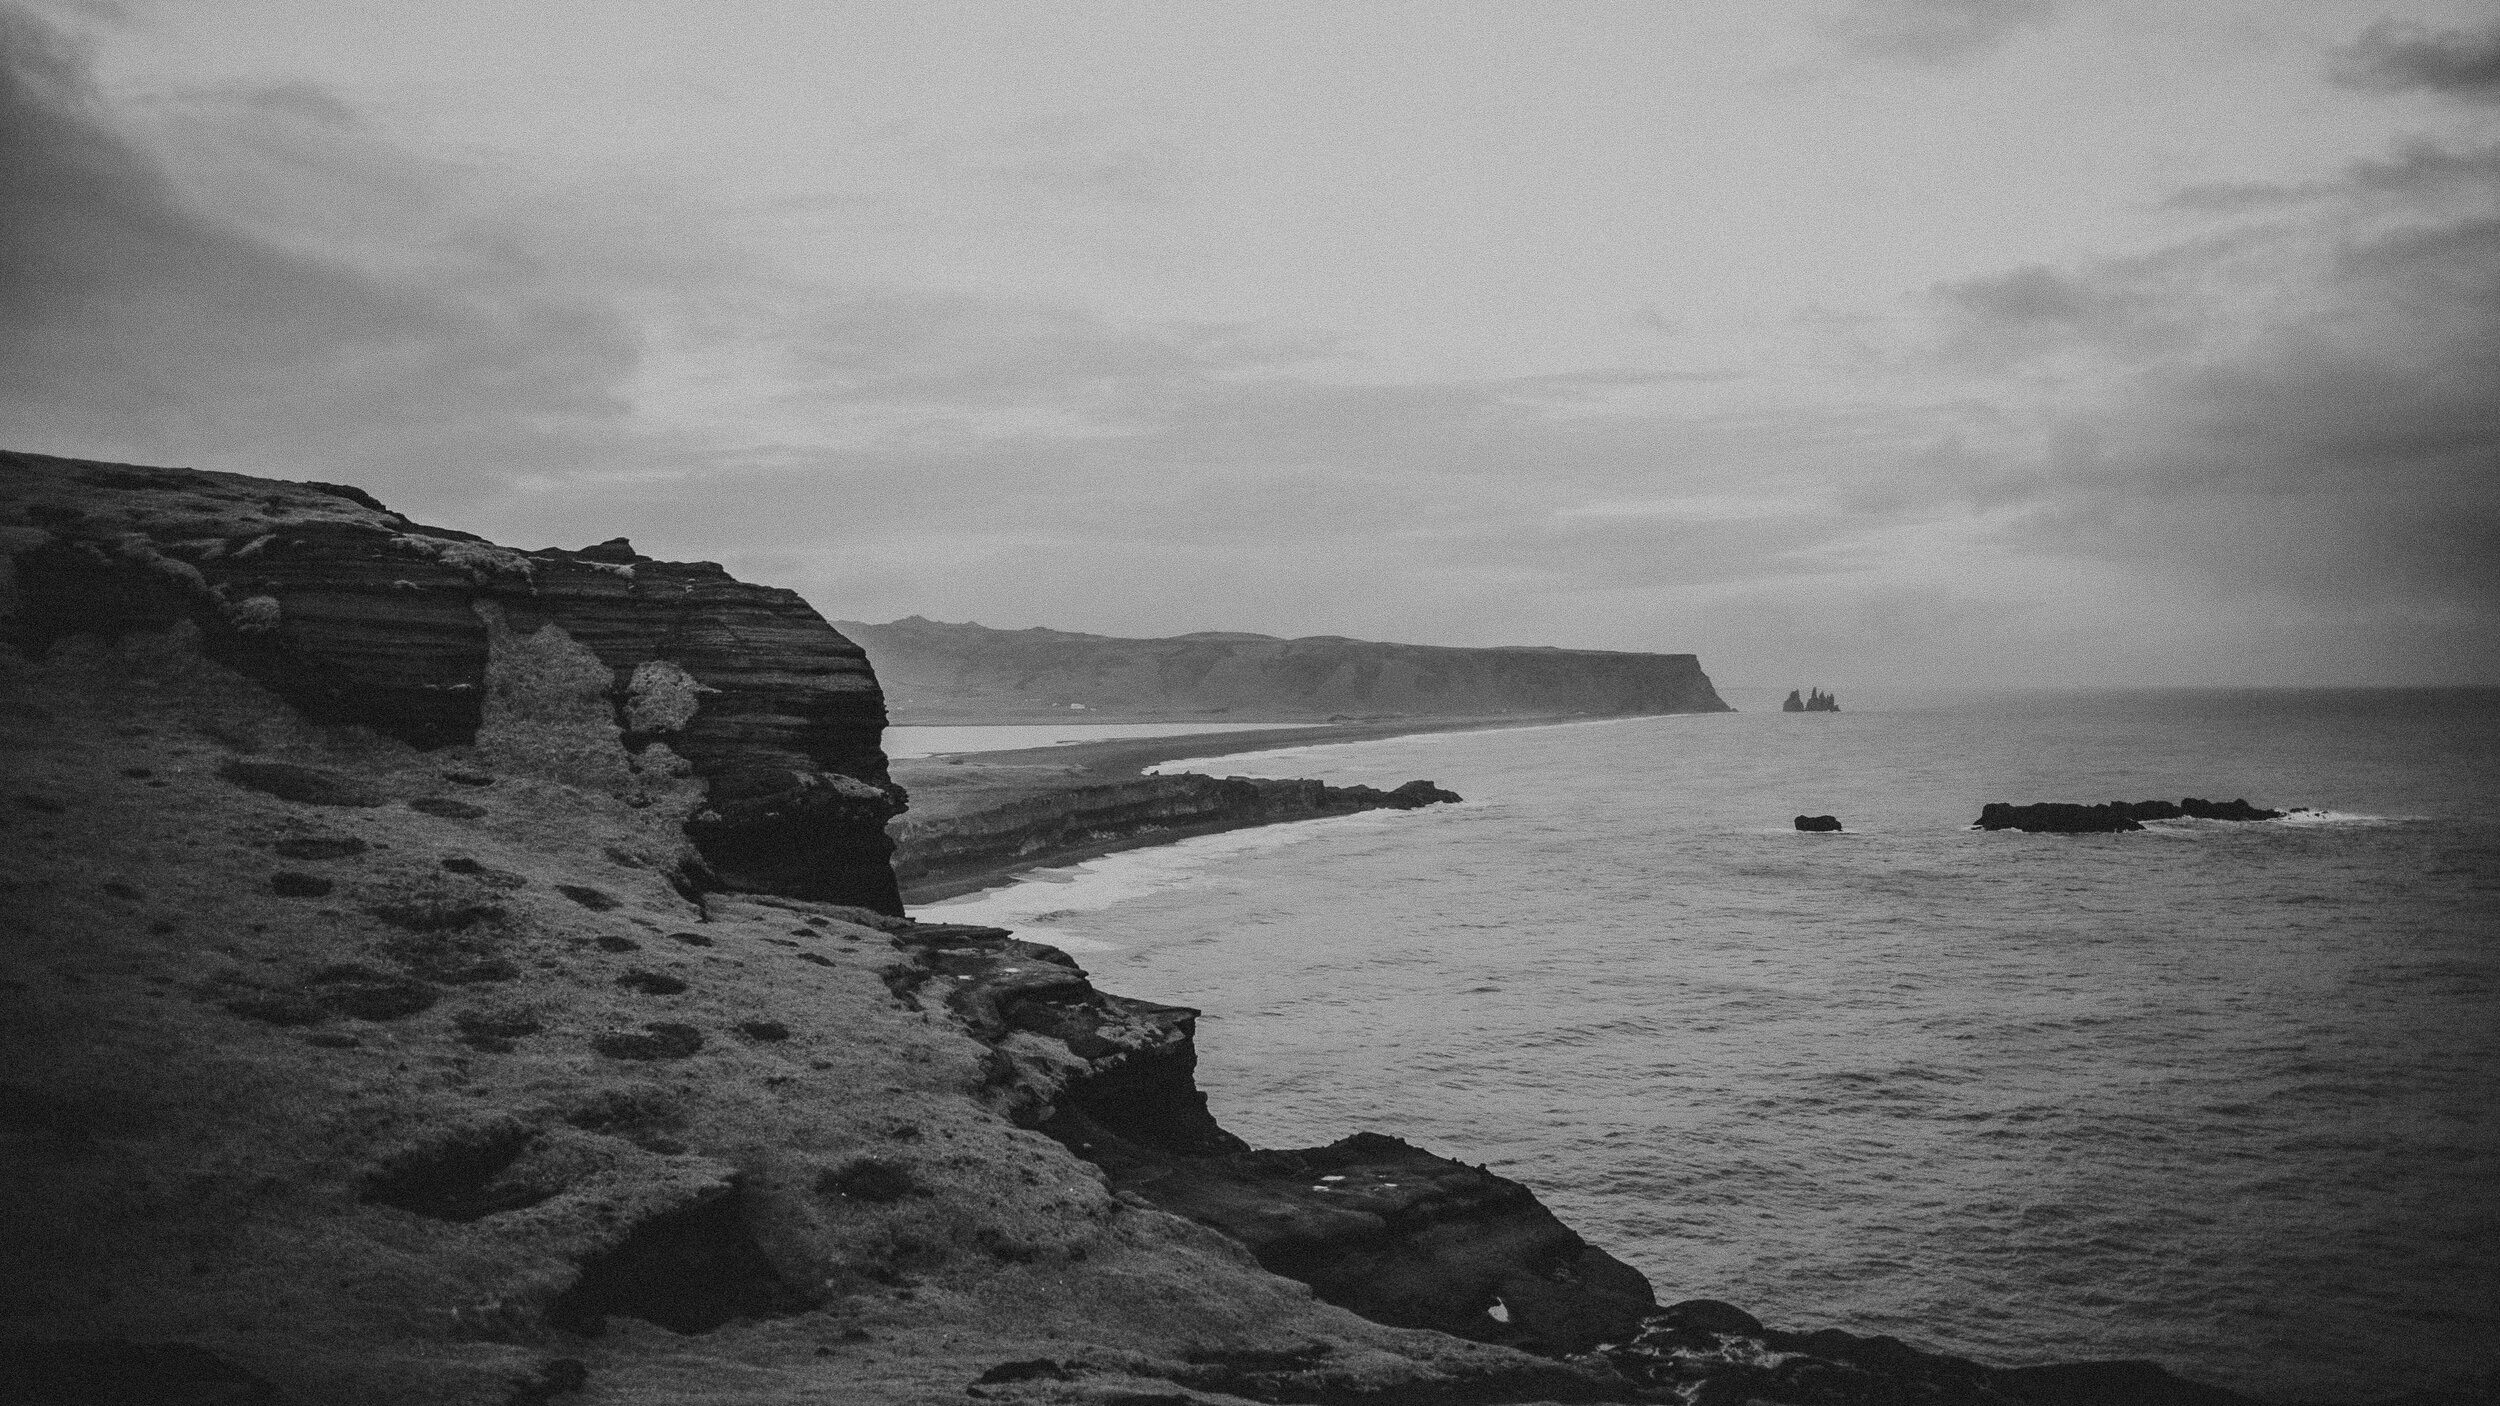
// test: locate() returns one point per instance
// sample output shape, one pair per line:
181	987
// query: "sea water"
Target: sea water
2218	1095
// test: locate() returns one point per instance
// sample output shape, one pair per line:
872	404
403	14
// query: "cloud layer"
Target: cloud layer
2394	56
135	321
2257	444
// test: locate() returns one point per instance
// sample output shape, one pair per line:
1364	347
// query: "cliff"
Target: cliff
330	1079
938	672
357	616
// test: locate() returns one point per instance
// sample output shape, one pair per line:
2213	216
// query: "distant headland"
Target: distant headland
936	672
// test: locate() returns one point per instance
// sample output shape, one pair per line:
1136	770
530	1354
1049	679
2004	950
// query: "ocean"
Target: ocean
2217	1095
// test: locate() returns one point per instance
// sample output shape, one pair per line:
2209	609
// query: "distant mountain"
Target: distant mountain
936	672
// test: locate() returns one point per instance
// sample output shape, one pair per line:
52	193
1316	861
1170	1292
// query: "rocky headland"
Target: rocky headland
491	1026
939	672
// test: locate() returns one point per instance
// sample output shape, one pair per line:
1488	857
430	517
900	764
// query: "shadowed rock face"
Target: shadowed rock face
357	615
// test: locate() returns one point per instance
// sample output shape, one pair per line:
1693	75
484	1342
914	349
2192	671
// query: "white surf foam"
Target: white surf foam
2305	816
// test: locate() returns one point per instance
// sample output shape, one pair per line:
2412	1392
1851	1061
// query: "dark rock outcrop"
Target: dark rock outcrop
1819	824
2067	818
1370	1223
1816	702
936	670
1080	822
357	615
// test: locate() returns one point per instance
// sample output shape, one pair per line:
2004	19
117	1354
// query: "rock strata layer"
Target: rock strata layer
967	847
359	616
2068	818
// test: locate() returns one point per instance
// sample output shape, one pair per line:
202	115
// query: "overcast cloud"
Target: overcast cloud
1894	341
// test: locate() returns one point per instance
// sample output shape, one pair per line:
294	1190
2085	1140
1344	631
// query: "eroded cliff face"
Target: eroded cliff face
358	616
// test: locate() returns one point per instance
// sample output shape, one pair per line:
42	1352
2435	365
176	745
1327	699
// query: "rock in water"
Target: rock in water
2226	810
357	615
2057	818
2067	818
1819	824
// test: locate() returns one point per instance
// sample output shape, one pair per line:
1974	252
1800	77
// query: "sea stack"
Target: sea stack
1816	701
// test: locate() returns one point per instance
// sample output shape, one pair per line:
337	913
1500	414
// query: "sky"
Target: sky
1852	342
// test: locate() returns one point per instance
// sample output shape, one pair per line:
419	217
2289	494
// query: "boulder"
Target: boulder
1819	824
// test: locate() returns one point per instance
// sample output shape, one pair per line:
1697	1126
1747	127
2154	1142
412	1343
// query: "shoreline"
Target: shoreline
1066	779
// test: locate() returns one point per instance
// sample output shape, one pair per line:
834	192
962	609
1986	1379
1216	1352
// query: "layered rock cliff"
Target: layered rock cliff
358	616
936	672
